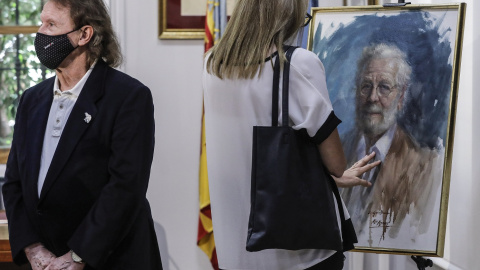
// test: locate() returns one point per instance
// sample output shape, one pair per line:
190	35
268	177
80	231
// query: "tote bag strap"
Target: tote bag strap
276	87
275	90
286	82
285	120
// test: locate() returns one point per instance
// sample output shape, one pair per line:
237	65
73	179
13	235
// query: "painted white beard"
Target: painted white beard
374	127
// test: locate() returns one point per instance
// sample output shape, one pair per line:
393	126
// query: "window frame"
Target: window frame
16	30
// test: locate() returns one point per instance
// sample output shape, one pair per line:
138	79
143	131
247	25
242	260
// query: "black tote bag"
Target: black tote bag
292	205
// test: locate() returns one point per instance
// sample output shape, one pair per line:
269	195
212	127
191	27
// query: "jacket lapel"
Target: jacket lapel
76	124
36	125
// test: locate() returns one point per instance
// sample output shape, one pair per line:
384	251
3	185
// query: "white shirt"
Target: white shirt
60	110
360	193
380	148
232	108
370	234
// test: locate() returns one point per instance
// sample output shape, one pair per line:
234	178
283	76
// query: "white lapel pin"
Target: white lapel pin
88	117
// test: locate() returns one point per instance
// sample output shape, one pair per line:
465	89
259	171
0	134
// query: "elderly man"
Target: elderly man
404	187
79	165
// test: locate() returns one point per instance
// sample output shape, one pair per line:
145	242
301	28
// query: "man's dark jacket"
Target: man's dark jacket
93	200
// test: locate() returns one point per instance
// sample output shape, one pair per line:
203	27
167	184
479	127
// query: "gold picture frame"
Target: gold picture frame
389	220
172	25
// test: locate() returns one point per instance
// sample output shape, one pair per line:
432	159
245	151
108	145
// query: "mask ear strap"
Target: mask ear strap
80	28
73	31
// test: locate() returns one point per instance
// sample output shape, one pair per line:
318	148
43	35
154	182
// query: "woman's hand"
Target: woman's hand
350	177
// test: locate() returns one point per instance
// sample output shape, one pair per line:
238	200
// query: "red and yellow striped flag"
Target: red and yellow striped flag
215	22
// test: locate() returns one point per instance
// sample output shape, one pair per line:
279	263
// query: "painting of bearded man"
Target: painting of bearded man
399	203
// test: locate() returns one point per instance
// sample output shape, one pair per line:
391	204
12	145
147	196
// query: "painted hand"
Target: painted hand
38	256
350	177
65	262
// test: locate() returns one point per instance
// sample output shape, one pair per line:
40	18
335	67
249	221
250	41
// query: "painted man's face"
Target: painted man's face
378	97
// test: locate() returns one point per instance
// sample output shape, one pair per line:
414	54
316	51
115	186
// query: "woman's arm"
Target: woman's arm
331	152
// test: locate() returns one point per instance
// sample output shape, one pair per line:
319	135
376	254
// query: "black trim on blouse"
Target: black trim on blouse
327	128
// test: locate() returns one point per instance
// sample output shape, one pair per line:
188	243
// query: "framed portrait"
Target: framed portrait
392	76
174	25
184	19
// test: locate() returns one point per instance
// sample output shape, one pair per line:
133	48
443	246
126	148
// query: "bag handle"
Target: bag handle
276	86
285	120
286	80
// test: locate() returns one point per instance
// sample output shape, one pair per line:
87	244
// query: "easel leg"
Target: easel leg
422	262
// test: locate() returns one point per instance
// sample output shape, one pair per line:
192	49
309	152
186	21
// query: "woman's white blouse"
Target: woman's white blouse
232	108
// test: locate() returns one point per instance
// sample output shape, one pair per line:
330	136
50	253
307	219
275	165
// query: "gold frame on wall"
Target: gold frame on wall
328	22
165	32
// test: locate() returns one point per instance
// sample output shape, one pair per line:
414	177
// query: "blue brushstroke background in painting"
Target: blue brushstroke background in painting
414	32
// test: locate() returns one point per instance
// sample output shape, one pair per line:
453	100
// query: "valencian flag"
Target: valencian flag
215	23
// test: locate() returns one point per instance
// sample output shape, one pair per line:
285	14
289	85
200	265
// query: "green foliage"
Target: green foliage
29	12
19	65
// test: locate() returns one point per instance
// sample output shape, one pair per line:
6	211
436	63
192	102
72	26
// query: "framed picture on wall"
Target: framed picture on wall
174	25
184	19
392	75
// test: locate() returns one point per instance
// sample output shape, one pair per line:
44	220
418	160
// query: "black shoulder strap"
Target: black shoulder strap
286	82
276	85
275	89
348	232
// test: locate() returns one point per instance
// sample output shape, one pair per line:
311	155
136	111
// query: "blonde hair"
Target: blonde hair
254	27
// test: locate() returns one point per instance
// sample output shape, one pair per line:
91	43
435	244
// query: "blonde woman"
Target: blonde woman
237	83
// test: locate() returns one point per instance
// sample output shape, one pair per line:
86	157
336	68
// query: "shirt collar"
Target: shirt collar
77	89
380	147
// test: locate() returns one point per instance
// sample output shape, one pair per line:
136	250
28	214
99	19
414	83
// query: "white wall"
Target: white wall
172	69
464	215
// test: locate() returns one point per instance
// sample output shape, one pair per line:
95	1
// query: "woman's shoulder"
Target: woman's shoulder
306	62
303	54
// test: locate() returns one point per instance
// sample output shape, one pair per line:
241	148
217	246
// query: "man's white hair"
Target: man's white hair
383	51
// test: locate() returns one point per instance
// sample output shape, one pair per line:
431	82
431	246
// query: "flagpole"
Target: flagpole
215	24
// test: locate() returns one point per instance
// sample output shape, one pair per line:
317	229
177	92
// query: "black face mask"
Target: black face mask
52	50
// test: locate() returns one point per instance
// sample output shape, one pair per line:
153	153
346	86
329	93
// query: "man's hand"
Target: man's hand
350	177
38	256
65	262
